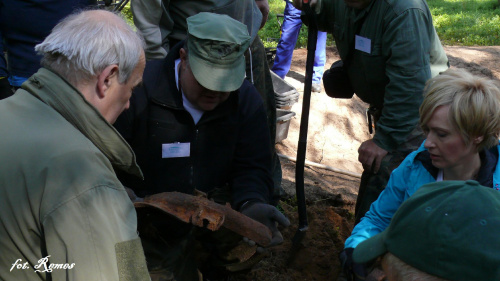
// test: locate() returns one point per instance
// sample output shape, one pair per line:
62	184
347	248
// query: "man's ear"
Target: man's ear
477	140
104	81
182	55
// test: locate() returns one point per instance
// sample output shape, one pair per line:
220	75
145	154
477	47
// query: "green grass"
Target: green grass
458	22
467	22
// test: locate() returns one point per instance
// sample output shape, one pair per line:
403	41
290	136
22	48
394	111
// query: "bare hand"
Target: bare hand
264	9
298	3
370	155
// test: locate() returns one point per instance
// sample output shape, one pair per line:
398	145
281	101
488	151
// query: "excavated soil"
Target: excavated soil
336	129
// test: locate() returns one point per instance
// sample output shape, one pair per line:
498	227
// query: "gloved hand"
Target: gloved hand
5	88
269	216
353	271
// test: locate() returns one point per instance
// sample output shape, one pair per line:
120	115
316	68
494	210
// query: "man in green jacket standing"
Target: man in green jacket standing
63	213
389	50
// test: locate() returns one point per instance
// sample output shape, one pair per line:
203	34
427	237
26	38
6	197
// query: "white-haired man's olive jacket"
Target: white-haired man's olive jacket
63	212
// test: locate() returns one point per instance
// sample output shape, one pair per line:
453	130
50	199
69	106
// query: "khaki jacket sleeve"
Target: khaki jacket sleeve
151	17
95	234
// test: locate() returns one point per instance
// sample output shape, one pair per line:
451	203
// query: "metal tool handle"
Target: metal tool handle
304	122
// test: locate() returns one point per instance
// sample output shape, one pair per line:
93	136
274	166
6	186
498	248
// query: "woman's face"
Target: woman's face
444	142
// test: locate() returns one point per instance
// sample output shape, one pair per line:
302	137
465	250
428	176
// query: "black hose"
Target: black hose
304	123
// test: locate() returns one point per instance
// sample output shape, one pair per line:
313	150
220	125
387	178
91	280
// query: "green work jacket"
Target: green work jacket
63	213
161	21
398	51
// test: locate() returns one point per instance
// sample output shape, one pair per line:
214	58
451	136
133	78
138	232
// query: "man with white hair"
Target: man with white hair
64	215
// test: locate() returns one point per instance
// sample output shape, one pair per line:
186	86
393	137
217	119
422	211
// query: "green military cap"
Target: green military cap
449	229
216	47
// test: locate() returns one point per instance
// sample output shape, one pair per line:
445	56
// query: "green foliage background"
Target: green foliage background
457	22
467	22
128	14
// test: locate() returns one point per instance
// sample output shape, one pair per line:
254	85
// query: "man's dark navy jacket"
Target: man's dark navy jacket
230	145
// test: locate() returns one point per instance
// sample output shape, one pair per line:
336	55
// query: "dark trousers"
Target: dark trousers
373	184
257	70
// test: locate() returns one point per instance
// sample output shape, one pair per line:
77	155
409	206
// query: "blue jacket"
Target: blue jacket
24	24
415	171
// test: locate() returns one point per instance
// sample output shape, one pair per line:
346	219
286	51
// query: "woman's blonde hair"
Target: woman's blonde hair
474	105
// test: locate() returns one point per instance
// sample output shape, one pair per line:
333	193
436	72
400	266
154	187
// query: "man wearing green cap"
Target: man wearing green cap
197	124
446	231
163	24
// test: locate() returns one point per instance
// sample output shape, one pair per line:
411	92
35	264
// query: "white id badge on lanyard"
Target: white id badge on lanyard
173	150
363	44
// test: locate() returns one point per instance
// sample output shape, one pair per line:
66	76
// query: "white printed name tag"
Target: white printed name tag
363	44
173	150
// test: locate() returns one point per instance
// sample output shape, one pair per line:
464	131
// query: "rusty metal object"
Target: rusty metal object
202	212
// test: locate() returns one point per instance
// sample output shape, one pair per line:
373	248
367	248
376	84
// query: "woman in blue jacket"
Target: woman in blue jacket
460	116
